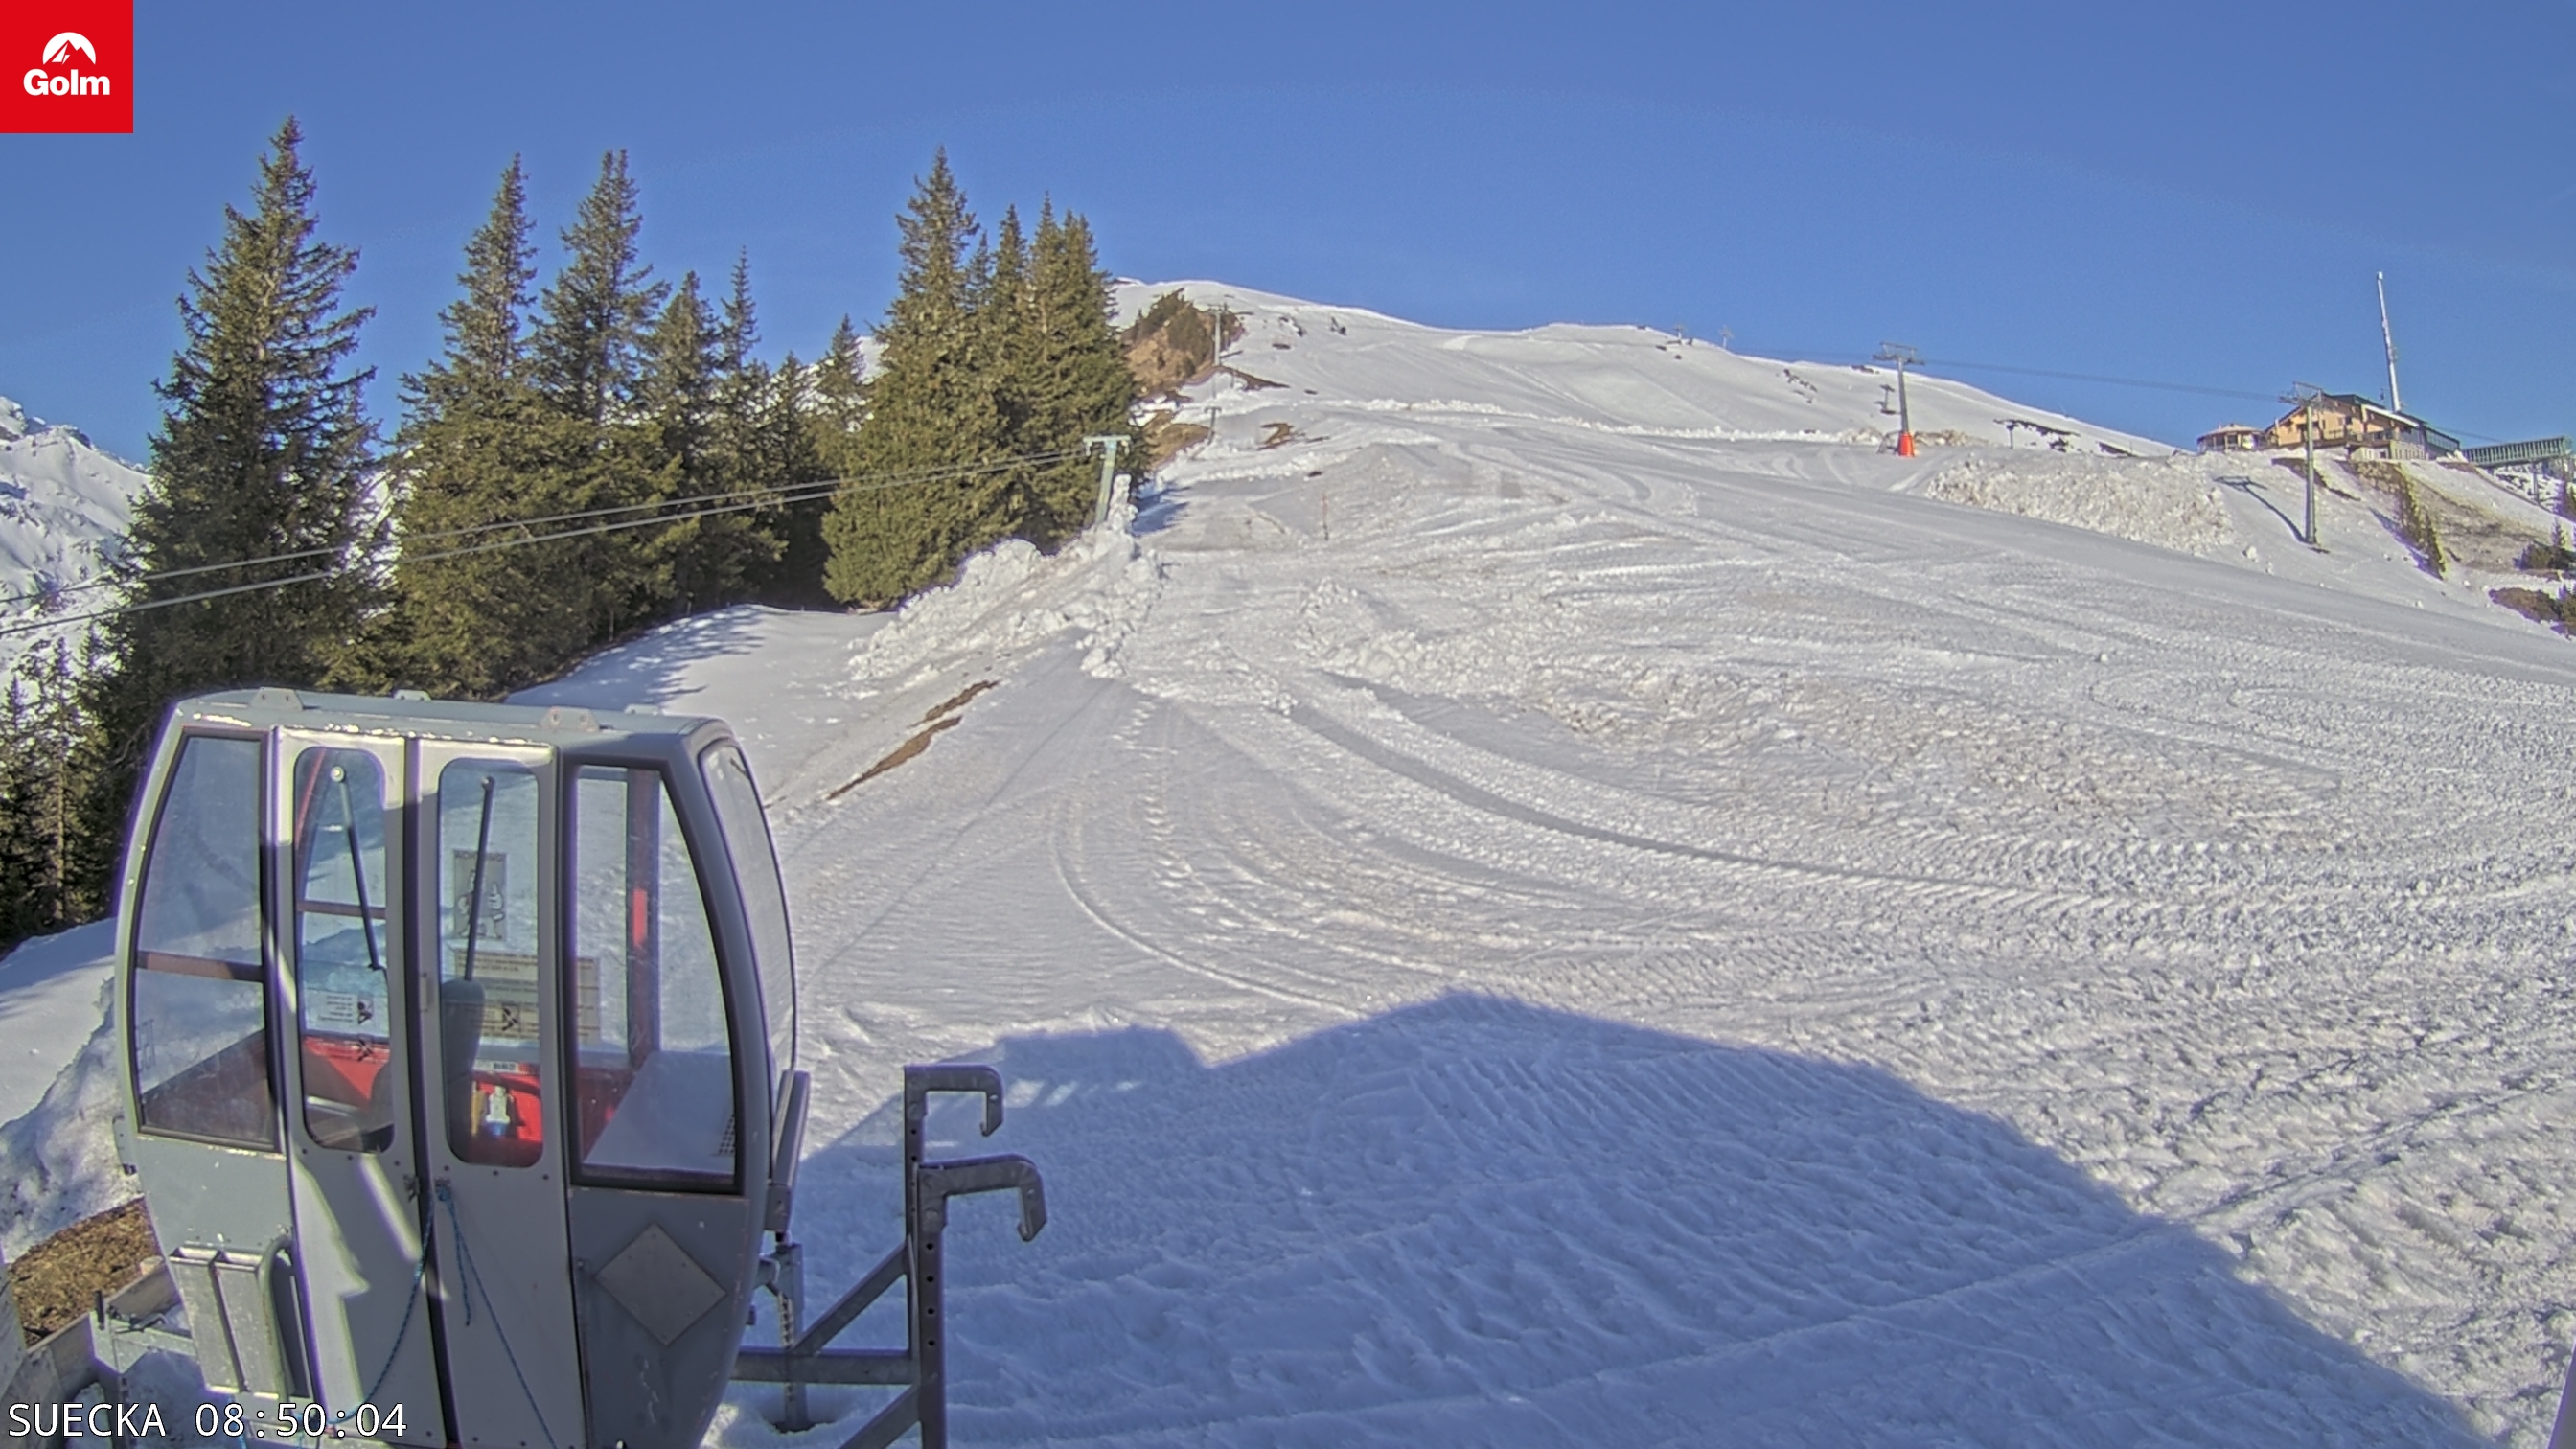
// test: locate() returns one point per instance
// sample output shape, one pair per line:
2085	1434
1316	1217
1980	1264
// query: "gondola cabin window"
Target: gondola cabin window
491	1014
199	1013
652	1034
764	898
342	949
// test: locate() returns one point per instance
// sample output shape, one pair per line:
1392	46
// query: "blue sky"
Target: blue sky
2187	193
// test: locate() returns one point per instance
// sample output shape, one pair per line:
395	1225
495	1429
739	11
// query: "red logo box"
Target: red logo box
67	65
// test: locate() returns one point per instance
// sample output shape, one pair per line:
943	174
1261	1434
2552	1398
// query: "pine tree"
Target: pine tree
585	365
50	864
471	449
1076	379
264	451
1000	501
784	440
588	341
930	412
840	398
2416	522
700	402
825	405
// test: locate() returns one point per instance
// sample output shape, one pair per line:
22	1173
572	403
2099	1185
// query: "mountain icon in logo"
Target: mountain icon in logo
60	48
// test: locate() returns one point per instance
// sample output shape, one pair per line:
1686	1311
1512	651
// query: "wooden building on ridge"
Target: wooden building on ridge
2349	420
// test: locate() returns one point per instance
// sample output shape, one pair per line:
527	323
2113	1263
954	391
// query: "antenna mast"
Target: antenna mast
2395	404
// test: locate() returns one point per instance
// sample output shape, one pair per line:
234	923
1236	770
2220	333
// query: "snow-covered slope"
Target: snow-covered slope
1509	924
1550	906
64	509
1628	380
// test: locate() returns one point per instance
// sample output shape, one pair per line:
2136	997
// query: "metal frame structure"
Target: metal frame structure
920	1368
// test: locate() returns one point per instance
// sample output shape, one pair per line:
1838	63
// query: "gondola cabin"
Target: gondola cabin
453	1036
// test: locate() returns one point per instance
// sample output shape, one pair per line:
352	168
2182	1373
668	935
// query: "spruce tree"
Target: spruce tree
761	450
588	339
25	866
992	361
586	366
264	451
930	411
830	404
1076	382
2416	523
51	864
740	377
699	403
987	490
472	453
840	394
767	449
785	439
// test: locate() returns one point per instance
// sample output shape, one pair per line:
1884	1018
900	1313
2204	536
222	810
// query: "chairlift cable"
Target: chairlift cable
908	475
768	498
2096	377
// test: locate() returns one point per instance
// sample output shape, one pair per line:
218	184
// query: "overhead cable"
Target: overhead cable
907	476
711	505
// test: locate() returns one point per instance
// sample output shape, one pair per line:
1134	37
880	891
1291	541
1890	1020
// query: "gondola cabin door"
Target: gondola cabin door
664	1228
492	1073
352	1135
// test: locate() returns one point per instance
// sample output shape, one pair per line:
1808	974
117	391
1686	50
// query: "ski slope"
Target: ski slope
1514	924
1573	898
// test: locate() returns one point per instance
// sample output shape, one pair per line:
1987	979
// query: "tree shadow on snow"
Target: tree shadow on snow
1478	1222
1157	511
650	668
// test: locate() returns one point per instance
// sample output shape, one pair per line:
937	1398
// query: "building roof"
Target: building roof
2353	402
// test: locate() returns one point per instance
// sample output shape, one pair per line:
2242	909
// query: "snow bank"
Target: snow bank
58	1161
2169	503
1011	598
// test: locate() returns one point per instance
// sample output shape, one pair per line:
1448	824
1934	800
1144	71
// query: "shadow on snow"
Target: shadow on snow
1478	1222
655	673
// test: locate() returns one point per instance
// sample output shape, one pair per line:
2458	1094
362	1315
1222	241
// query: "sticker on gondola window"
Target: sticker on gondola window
493	922
339	1011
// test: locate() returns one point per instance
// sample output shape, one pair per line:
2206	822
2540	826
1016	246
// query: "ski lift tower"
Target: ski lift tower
1904	357
2304	396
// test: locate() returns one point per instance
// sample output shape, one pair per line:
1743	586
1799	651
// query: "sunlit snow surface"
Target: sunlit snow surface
1538	934
1606	921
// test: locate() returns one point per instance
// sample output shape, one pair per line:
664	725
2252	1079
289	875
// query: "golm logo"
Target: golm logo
60	50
